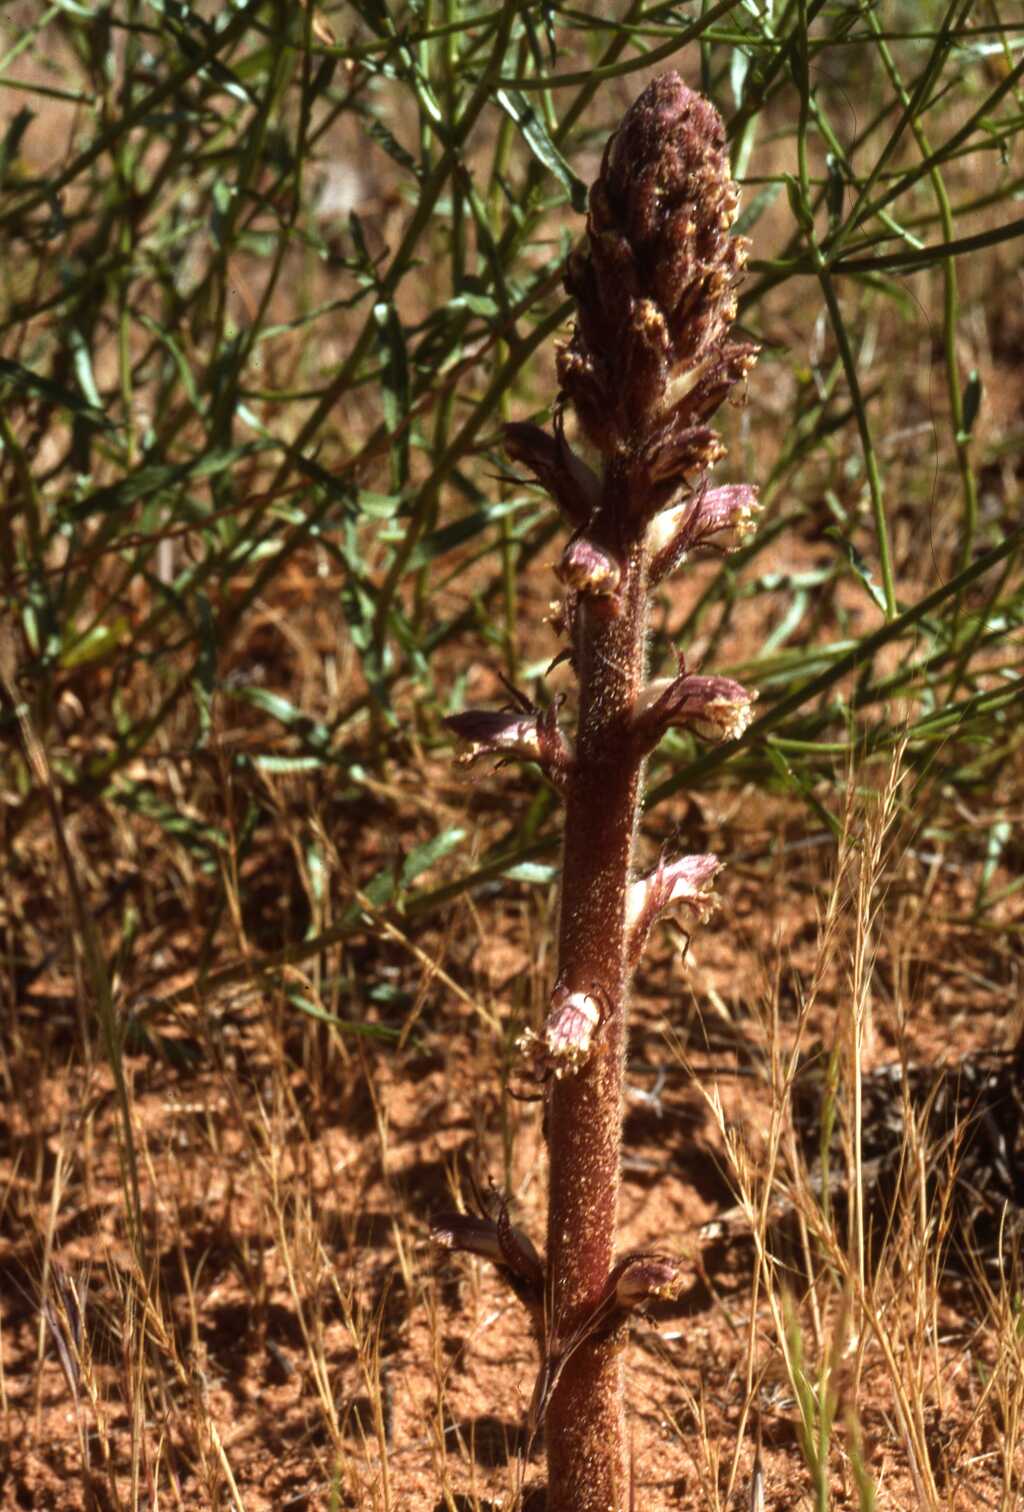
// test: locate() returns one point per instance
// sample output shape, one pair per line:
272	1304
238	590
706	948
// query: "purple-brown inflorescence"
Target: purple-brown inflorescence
650	359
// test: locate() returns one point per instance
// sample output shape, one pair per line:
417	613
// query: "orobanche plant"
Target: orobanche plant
650	359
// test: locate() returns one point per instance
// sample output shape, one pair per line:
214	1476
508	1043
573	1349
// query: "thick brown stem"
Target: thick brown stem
585	1426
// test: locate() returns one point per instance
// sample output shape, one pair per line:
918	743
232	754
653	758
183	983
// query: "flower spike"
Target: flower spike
650	359
651	354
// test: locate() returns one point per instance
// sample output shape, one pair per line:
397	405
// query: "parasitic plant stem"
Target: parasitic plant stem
650	359
584	1416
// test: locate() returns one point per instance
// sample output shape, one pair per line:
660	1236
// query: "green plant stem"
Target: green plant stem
951	303
871	468
482	411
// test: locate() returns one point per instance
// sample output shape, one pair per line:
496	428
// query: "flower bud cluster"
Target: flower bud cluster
650	359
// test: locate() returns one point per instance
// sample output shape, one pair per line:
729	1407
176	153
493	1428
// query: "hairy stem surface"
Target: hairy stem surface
587	1466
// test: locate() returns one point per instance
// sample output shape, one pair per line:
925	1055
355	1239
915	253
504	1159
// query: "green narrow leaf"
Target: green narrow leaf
749	217
347	1026
364	262
859	566
480	304
95	644
379	890
285	713
439	542
394	385
739	67
377	506
201	840
318	876
536	873
424	856
83	369
20	122
380	134
547	13
204	681
220	218
891	289
535	135
177	357
836	188
904	235
26	381
789	622
154	477
802	784
287	766
971	403
802	212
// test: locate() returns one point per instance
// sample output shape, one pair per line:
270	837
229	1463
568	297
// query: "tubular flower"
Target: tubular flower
719	517
498	1241
565	1042
650	356
573	486
688	882
587	569
715	708
515	734
643	1277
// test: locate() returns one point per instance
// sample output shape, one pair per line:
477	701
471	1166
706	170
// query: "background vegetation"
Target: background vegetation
271	278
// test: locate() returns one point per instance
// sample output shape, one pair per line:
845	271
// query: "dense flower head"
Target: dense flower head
650	358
